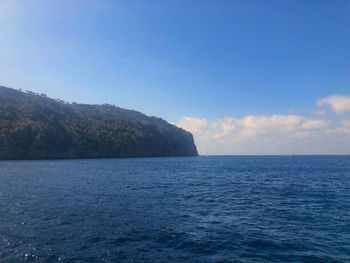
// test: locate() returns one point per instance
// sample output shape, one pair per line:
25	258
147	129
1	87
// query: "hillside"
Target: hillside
33	126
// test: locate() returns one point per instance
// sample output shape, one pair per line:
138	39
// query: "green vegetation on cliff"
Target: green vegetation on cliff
33	126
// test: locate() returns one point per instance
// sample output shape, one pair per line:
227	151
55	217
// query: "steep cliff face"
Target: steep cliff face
34	126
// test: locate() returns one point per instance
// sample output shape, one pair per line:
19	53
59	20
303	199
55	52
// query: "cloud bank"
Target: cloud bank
339	104
273	134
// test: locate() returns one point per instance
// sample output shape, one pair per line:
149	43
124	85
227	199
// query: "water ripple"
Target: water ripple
215	209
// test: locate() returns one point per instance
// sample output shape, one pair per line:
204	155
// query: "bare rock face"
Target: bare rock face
33	126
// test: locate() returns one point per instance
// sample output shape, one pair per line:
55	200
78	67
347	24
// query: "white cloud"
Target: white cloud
314	124
251	126
338	103
273	134
344	129
224	127
194	125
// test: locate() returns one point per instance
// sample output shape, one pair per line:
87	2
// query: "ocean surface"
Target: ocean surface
191	209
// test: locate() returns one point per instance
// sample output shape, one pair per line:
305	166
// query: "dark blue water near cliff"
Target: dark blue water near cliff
195	209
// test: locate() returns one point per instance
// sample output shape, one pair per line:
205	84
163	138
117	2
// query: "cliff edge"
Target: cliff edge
33	126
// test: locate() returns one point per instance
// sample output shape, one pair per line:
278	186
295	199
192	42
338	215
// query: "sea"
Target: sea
176	209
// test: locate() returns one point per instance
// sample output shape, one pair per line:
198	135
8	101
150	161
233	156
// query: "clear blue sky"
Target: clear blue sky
177	58
207	59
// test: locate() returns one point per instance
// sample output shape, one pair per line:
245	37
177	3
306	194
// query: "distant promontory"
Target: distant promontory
33	126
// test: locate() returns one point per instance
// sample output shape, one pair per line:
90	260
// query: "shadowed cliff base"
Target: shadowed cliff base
33	126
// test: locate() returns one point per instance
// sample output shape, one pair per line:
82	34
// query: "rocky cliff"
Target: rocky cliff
33	126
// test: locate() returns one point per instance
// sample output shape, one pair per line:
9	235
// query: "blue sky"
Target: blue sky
176	59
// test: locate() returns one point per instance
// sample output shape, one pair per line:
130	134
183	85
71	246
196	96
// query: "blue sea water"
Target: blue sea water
193	209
